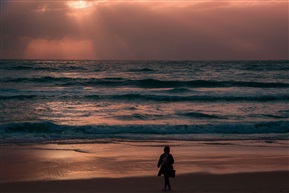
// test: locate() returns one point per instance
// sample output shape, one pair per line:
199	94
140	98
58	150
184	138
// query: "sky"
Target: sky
145	30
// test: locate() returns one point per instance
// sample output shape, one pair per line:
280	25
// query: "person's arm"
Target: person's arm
172	161
160	160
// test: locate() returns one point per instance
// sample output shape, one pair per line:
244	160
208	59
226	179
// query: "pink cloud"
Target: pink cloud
203	30
59	49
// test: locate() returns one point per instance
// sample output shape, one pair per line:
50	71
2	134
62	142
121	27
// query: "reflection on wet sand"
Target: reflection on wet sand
126	159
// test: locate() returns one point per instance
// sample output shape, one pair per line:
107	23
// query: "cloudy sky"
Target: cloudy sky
132	29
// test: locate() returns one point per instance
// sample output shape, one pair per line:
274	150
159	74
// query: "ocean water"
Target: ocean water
44	101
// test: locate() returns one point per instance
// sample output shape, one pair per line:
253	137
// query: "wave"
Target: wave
142	70
179	90
145	83
201	115
153	83
281	65
20	67
47	131
30	68
42	79
151	97
175	98
34	66
137	116
19	97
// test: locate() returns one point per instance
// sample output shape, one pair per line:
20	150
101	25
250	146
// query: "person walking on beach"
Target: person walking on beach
165	163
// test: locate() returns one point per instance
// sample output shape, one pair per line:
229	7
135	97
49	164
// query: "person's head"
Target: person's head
167	149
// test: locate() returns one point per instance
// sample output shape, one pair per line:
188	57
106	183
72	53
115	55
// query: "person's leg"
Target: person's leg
167	182
164	189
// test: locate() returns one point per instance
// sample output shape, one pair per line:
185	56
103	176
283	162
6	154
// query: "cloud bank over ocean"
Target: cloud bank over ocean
194	30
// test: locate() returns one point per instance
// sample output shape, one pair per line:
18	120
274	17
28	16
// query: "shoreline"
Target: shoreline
265	182
202	167
34	162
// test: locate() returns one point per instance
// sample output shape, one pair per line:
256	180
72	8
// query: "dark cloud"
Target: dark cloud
127	30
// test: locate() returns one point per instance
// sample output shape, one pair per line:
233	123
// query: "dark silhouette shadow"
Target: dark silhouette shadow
165	163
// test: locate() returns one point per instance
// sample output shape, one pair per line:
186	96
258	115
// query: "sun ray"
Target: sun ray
79	4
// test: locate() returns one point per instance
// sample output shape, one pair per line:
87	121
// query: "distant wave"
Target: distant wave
20	67
34	67
137	116
142	70
47	131
19	97
152	97
42	79
146	83
176	98
179	90
201	115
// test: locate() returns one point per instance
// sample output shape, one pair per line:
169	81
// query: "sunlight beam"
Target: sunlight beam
79	4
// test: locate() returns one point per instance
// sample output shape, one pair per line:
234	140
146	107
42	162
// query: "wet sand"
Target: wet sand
230	166
268	182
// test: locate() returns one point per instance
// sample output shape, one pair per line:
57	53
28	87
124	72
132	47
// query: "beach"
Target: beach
267	182
122	166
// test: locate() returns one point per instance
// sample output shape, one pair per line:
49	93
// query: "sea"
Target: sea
106	101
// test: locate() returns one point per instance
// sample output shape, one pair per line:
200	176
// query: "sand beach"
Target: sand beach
230	166
265	182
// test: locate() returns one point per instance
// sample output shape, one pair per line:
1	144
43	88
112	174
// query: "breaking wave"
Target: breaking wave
47	131
145	83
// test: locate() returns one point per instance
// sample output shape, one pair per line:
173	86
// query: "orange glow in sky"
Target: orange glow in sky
174	30
80	4
64	48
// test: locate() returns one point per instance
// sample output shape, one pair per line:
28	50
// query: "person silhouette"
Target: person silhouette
165	163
